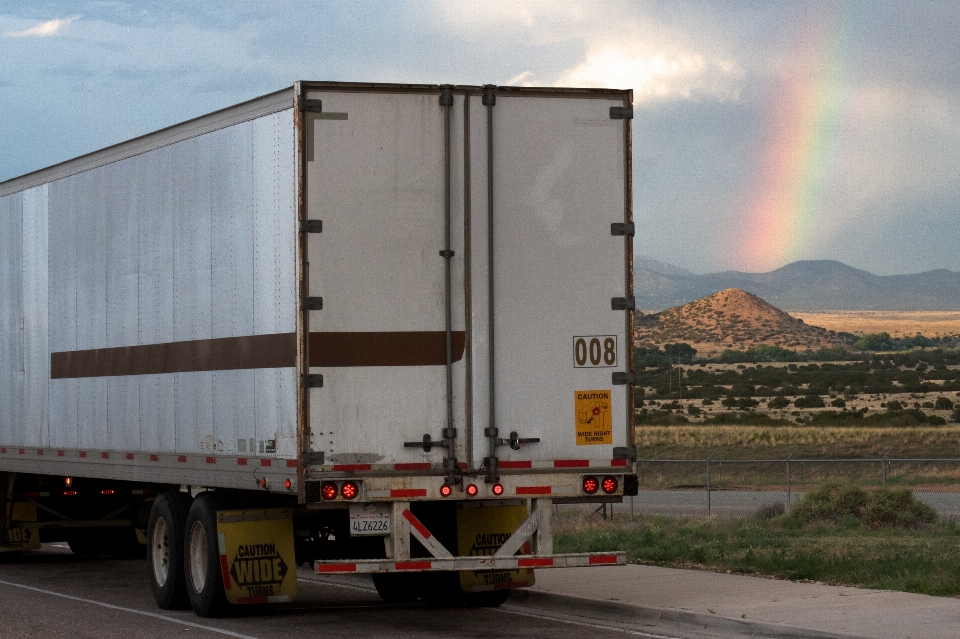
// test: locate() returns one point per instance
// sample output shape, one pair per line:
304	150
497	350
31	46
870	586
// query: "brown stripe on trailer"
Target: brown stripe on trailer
332	349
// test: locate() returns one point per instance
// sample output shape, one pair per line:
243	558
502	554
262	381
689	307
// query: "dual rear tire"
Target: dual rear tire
183	560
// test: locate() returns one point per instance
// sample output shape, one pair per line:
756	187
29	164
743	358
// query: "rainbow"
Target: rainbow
788	193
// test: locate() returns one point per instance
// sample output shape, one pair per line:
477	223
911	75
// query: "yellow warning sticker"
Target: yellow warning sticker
594	423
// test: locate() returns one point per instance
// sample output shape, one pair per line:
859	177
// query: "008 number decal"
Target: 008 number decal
594	351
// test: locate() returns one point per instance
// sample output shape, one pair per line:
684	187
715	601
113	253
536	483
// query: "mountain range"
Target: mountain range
813	285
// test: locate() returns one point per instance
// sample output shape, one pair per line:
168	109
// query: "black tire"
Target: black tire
398	587
165	536
201	556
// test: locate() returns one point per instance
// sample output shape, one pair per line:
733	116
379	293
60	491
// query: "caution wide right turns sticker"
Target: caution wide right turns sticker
594	422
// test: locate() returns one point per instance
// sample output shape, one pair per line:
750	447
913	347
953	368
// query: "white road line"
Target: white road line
335	584
133	610
596	626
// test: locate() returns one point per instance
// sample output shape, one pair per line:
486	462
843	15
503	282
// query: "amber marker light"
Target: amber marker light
68	481
328	490
609	485
446	490
472	490
497	489
590	485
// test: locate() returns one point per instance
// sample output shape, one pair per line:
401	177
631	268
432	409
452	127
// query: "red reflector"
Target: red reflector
472	490
497	489
603	559
408	492
349	490
590	485
107	491
69	493
535	562
445	490
328	490
287	483
336	567
609	485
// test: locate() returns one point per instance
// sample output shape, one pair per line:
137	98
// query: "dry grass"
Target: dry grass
754	442
896	323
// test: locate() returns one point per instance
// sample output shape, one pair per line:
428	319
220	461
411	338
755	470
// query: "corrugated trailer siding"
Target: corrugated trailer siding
191	241
11	317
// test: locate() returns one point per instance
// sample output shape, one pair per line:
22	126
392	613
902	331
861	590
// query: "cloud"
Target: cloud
657	74
44	29
662	58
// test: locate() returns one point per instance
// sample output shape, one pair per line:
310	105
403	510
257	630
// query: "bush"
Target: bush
835	500
778	402
943	403
809	401
838	403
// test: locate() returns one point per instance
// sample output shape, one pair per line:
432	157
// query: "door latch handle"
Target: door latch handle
516	442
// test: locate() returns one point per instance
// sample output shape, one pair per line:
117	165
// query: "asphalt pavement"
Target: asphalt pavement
54	594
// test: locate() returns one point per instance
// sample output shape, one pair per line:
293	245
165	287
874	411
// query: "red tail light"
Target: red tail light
472	490
328	490
108	491
497	489
349	490
69	493
590	485
609	485
287	484
445	490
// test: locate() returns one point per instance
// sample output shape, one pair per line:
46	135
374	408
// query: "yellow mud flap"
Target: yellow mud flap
257	557
21	535
481	530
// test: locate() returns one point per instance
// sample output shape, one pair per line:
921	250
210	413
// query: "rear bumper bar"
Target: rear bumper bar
428	564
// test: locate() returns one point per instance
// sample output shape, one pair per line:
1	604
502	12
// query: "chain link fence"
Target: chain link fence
742	487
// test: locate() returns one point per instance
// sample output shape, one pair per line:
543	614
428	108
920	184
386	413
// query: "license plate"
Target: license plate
370	519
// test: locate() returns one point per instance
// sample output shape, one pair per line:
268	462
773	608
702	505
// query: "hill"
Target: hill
805	285
731	318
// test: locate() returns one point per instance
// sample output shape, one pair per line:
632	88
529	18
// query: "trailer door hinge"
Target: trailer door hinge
623	303
313	106
311	226
623	228
624	452
620	379
427	444
446	95
313	381
621	113
311	303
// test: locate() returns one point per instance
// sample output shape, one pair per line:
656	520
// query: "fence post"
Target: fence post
788	474
883	465
709	498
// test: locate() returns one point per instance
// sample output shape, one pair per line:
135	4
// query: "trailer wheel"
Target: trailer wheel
201	559
397	588
165	534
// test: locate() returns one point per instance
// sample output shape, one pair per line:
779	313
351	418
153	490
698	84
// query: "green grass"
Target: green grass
846	552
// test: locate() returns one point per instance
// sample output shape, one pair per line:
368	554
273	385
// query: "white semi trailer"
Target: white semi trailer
374	328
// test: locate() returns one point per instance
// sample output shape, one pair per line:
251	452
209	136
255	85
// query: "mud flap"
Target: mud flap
21	536
257	557
481	530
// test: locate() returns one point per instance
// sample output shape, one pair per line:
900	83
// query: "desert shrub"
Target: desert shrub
831	501
693	410
833	417
659	417
838	403
778	402
894	405
836	500
809	401
897	509
771	510
943	403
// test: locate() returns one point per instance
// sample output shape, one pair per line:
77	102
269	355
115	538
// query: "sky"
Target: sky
763	132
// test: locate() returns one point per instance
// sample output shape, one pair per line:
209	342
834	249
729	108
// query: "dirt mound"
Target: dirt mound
731	317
